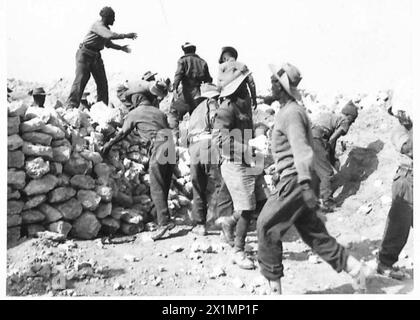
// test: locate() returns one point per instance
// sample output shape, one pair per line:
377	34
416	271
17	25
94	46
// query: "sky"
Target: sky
339	46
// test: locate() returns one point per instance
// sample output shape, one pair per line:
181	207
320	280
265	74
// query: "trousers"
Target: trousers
285	207
400	218
323	168
87	64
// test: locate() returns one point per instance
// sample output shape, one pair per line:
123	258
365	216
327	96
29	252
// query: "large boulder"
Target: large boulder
103	210
61	194
70	209
13	124
14	207
14	142
37	112
53	131
51	214
61	154
14	220
56	168
13	194
16	109
82	182
60	227
36	150
33	229
103	172
89	199
76	165
110	225
37	168
34	202
37	138
86	226
34	124
41	186
16	179
15	159
32	216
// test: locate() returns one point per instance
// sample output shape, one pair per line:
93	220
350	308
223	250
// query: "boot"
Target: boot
390	272
161	230
242	260
200	230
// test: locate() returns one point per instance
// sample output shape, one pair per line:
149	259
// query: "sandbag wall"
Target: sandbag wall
58	181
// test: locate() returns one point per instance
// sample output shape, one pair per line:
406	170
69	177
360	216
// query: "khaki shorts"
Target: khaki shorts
245	188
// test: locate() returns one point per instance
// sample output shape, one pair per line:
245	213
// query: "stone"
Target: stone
104	210
14	142
61	154
82	182
37	168
14	220
70	209
104	192
32	216
130	229
13	235
13	194
110	225
117	212
16	179
42	185
14	207
32	125
117	286
86	226
35	201
56	168
33	229
51	214
89	199
37	150
17	109
122	199
177	248
102	171
95	157
238	283
131	216
37	138
76	165
217	272
61	194
60	143
37	112
78	142
13	124
53	131
73	117
63	180
314	259
60	227
15	159
59	282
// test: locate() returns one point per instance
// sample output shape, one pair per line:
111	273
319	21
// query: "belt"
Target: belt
90	50
199	137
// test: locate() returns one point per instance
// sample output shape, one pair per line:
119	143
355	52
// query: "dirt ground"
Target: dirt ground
170	267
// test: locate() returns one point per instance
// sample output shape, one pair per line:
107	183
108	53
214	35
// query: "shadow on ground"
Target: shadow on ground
360	164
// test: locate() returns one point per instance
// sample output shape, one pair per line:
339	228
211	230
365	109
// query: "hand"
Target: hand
321	215
131	35
126	49
309	197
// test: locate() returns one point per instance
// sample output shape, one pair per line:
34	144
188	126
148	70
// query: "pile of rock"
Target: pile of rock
58	181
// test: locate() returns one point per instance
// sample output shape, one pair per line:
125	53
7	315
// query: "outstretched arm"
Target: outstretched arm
124	132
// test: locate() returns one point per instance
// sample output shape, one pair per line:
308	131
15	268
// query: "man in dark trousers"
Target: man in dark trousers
400	216
233	128
204	163
89	61
191	72
151	126
294	202
326	129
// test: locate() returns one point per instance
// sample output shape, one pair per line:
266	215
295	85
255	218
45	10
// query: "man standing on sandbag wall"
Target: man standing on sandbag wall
326	130
89	61
191	72
151	125
400	216
294	201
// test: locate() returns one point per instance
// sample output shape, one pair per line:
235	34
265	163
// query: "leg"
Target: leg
83	69
98	73
199	182
323	169
160	180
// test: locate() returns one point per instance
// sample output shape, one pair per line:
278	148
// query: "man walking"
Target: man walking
326	130
191	71
233	128
151	126
400	216
294	202
89	61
